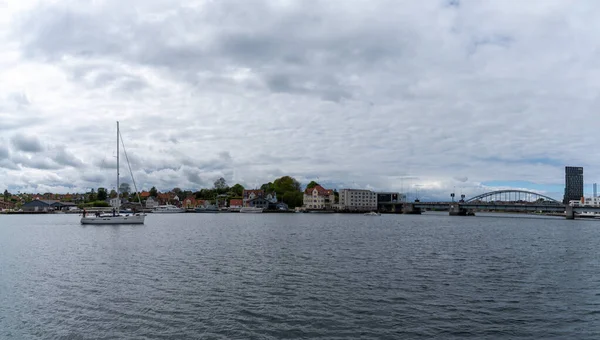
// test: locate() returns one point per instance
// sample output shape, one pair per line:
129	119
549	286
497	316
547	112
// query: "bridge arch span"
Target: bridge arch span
512	193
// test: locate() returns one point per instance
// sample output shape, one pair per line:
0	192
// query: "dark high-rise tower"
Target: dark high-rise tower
573	183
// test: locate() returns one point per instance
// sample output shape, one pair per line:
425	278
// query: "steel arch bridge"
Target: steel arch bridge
511	195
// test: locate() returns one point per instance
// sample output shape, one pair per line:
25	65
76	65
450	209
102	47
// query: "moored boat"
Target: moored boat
251	210
116	217
167	209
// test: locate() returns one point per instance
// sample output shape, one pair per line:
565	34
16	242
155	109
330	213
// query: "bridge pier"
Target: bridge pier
410	209
456	210
569	213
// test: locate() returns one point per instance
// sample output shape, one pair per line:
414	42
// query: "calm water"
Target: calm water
300	276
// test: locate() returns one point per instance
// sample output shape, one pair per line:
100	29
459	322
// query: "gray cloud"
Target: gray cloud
64	157
378	94
4	152
19	98
41	163
26	143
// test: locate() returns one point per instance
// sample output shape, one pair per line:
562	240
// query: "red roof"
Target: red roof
235	202
321	191
257	192
144	194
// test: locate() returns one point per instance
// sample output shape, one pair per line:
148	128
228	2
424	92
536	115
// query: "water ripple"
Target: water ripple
299	276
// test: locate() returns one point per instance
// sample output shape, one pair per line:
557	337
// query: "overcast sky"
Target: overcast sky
439	95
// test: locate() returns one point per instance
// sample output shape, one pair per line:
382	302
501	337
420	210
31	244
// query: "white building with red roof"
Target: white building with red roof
318	197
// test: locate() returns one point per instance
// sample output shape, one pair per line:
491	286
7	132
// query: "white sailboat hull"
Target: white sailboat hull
119	219
167	209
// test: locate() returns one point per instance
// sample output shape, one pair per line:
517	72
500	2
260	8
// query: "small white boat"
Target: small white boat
114	219
372	213
251	210
167	209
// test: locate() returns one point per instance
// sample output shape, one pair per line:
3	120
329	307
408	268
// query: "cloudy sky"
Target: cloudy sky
438	95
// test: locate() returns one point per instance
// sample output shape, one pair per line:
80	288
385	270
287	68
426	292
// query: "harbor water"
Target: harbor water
300	276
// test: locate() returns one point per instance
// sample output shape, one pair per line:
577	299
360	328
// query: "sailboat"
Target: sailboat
116	217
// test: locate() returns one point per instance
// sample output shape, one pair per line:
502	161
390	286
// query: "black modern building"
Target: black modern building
573	183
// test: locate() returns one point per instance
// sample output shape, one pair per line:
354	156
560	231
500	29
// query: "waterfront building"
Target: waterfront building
235	203
46	205
586	202
115	202
318	197
390	197
6	205
249	195
357	200
190	202
151	203
573	183
257	202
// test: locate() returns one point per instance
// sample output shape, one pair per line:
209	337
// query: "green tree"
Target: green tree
285	184
91	196
206	194
113	193
6	194
221	184
293	199
237	189
153	192
267	187
312	184
177	192
102	194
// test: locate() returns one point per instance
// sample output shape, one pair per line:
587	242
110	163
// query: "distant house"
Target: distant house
278	206
189	202
144	195
257	202
115	202
151	203
6	205
318	198
63	205
249	195
271	197
168	198
46	205
236	203
135	206
37	205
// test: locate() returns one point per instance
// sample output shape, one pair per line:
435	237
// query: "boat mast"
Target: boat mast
118	193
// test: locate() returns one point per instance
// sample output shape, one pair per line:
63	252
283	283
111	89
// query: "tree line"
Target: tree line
287	189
